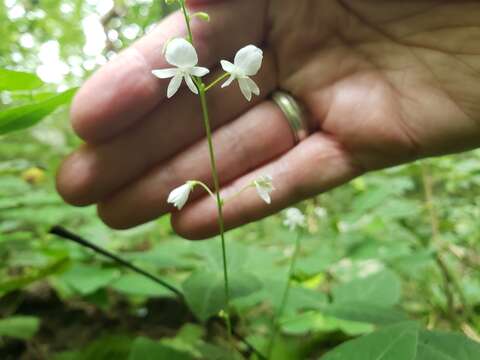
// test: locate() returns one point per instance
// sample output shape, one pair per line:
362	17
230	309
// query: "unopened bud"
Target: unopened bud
202	16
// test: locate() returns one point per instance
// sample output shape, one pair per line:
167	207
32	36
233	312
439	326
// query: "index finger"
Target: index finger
124	90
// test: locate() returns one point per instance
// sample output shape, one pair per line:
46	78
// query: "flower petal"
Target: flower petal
264	194
245	88
165	73
229	81
227	66
253	86
181	53
249	60
174	85
199	71
179	196
190	83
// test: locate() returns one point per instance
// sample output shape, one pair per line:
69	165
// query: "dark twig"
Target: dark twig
65	234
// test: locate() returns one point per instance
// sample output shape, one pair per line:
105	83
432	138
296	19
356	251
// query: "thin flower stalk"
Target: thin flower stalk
216	182
181	54
284	300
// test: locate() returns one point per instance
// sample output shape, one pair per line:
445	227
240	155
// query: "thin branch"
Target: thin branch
65	234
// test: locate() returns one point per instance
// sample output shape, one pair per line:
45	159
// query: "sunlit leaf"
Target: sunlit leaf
18	80
25	116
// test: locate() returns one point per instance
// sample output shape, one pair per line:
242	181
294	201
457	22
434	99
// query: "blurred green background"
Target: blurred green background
393	245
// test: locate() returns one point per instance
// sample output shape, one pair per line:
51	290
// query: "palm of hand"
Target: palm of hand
389	80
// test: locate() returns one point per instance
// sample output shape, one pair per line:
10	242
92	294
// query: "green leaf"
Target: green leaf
33	275
435	345
365	312
18	80
383	288
21	327
138	285
25	116
106	348
406	341
398	342
86	279
205	293
314	322
146	349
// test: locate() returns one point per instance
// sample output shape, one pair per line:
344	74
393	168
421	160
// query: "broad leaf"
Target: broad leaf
406	341
365	312
435	345
314	322
105	348
21	327
86	279
25	116
35	274
18	80
205	293
383	288
138	285
398	342
146	349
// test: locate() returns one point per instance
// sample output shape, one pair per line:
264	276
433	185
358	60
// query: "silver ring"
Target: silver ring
294	113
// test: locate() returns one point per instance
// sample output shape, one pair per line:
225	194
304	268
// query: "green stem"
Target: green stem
205	187
224	201
284	300
220	78
206	119
216	182
187	20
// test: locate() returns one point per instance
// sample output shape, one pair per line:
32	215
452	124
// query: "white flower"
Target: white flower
321	212
247	62
264	186
179	196
294	218
182	54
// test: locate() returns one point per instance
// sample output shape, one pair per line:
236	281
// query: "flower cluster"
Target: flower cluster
181	54
179	196
294	219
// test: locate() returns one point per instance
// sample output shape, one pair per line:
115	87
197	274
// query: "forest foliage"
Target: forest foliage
388	268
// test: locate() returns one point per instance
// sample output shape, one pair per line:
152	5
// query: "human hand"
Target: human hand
386	82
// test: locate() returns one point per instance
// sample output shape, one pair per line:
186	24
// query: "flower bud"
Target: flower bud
202	16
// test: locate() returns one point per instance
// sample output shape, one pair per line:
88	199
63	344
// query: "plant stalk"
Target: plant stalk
284	300
216	182
206	119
